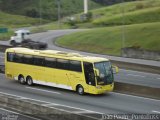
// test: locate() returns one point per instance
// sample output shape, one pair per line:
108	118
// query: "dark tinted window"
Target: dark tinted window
75	66
10	57
50	62
89	73
28	59
39	61
62	64
18	58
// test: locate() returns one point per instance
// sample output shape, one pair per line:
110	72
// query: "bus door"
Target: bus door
89	76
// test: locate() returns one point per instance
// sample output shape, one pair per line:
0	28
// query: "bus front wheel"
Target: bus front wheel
29	81
80	90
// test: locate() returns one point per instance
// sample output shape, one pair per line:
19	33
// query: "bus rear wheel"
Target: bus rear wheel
80	90
21	79
29	81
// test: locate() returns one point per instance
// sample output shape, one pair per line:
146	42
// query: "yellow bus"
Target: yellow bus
72	71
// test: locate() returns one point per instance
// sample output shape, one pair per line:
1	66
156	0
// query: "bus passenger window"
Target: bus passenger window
75	66
62	64
50	62
18	58
39	61
10	57
28	59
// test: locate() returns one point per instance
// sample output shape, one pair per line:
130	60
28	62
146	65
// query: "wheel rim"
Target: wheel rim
21	80
29	81
80	90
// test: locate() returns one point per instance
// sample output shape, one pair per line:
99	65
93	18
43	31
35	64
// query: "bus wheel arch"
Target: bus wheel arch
21	79
80	89
29	80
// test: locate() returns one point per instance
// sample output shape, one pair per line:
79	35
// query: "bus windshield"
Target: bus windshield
105	73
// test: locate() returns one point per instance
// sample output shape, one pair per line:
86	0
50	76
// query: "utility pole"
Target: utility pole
40	12
85	6
123	25
59	13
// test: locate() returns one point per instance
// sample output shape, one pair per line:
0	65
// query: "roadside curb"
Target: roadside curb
42	110
138	90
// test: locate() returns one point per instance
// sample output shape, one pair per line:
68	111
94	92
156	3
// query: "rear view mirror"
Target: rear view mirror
115	69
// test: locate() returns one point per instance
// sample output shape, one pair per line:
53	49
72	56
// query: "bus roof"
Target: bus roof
56	54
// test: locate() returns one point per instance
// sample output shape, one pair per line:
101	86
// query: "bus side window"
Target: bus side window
50	62
39	61
18	58
28	59
75	66
62	64
89	73
10	57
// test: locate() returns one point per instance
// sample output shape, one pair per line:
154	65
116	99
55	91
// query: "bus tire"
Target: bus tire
21	79
29	81
80	90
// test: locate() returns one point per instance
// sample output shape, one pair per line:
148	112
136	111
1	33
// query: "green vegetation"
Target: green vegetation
134	12
144	11
31	8
50	26
109	40
141	23
16	21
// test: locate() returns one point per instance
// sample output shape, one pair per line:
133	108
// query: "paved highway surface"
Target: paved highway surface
50	36
107	103
126	76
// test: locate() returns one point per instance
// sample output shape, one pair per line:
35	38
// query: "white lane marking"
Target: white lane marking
158	78
154	111
43	90
135	75
136	96
46	103
19	113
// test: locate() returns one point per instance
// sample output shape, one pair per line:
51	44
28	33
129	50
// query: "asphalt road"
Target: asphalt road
109	103
126	76
49	37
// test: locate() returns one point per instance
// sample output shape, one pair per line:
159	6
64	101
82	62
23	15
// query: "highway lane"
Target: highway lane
49	37
108	103
127	76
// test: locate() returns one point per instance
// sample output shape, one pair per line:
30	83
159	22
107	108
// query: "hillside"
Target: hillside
15	21
133	13
141	29
31	8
